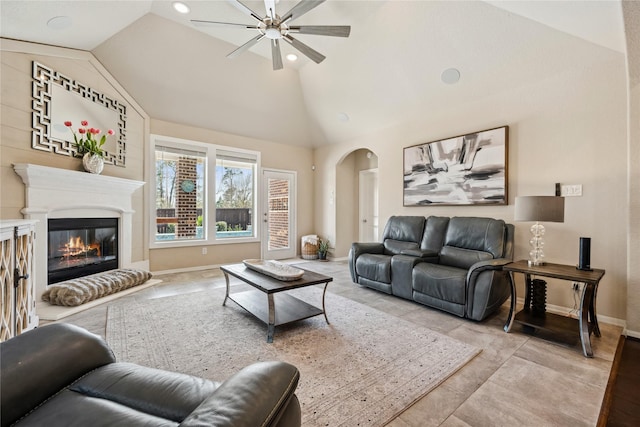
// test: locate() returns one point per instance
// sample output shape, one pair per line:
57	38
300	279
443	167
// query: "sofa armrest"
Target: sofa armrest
488	286
258	395
426	254
358	249
37	364
495	264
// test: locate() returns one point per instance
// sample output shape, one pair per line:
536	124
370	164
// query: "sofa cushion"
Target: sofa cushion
68	408
480	234
42	362
434	233
404	229
374	267
462	258
163	394
440	281
396	247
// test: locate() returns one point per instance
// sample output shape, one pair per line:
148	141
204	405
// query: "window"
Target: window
180	189
235	185
193	204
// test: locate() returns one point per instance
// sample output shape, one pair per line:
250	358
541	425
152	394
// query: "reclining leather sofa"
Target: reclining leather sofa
453	264
63	375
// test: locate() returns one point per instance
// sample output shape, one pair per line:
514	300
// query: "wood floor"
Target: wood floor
516	380
621	404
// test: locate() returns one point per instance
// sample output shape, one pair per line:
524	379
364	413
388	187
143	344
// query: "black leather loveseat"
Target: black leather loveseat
62	375
453	264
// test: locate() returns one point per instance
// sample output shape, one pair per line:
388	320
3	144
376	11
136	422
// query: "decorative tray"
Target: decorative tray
275	269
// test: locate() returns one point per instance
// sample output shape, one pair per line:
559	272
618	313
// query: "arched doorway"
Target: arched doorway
353	203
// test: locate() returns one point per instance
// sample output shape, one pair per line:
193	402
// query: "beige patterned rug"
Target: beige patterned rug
361	370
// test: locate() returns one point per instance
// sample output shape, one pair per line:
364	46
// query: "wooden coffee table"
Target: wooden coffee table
269	301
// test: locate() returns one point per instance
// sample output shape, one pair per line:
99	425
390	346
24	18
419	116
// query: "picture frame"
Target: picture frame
469	169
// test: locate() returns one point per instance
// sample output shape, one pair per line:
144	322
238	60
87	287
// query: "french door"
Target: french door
278	234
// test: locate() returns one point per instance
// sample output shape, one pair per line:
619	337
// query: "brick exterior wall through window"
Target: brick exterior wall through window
186	210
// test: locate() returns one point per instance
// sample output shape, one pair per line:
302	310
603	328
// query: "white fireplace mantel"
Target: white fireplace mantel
60	193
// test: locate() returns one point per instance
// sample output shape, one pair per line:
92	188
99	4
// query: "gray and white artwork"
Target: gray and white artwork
465	170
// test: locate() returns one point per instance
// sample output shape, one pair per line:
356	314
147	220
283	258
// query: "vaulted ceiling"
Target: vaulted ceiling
388	70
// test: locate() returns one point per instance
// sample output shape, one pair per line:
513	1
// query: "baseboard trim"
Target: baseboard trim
211	266
632	334
566	311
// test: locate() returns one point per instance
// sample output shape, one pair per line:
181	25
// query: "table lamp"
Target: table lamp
538	209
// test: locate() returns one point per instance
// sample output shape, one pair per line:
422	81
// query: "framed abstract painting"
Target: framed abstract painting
468	169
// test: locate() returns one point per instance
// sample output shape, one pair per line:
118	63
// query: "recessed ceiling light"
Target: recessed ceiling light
59	22
450	76
292	57
181	7
343	117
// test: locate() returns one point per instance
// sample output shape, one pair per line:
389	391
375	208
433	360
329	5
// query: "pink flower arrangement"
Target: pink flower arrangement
87	142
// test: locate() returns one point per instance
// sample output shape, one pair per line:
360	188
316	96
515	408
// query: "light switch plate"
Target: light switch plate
572	190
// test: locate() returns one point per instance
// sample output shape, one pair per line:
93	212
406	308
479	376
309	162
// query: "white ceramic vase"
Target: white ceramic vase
93	163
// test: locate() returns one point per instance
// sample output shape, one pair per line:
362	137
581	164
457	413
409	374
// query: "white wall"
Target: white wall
631	13
568	128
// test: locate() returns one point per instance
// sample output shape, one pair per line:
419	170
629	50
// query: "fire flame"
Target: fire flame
76	246
75	243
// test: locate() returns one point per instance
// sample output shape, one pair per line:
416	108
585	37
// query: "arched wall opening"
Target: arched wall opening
347	197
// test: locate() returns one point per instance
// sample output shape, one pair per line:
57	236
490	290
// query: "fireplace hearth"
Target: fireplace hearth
78	247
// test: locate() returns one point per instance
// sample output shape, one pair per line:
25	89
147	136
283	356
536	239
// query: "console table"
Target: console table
17	278
563	327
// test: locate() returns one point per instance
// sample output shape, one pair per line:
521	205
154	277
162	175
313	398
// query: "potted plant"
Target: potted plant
89	147
323	248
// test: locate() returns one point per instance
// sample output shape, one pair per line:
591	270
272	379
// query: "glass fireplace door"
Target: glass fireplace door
81	246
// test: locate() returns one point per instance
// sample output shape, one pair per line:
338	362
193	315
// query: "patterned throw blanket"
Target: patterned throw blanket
74	292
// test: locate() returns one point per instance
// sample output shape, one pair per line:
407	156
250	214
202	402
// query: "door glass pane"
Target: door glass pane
278	194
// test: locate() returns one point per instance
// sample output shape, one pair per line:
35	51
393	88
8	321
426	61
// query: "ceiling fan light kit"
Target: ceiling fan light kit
276	28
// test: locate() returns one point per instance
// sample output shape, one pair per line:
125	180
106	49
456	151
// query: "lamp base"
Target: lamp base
536	256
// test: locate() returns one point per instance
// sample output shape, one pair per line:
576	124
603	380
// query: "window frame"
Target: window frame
209	196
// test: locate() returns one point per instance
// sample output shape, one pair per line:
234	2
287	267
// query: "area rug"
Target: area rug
362	369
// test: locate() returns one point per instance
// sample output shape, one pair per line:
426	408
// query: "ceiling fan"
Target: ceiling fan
275	28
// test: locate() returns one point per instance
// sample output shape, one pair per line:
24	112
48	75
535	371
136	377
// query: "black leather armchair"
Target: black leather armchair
62	375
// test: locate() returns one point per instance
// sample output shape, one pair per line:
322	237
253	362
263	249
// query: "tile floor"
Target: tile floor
517	380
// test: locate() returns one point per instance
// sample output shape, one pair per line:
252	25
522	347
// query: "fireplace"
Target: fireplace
53	193
78	247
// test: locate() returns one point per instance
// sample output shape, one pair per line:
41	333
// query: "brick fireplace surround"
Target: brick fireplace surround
60	193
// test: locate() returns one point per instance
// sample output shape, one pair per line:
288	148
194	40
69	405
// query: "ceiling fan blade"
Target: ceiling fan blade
314	55
322	30
275	54
248	45
245	9
300	9
199	23
270	7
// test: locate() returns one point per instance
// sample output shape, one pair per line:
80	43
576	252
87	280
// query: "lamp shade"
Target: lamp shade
539	208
